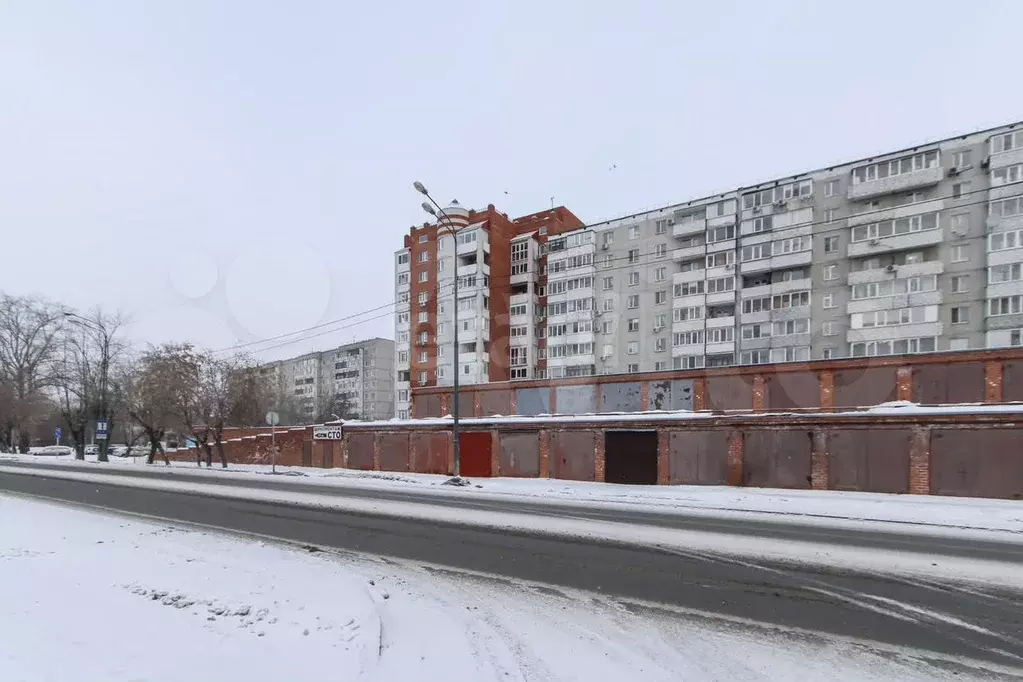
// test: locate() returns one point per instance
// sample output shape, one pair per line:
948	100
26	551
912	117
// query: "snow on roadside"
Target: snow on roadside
96	597
800	506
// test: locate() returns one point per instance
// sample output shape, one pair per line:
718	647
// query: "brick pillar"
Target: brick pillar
345	438
598	455
376	451
644	396
477	404
904	383
451	451
554	400
412	402
445	404
759	389
699	393
663	457
545	453
513	407
993	381
819	473
920	462
495	453
826	380
735	447
413	451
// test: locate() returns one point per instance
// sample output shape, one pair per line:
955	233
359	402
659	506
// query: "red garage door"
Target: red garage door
475	453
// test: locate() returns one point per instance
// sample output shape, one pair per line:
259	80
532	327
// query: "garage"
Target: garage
630	457
474	449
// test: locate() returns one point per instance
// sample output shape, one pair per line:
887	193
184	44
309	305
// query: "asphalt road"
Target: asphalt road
829	602
676	518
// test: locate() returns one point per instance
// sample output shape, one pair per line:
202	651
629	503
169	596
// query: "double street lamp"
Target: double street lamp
434	209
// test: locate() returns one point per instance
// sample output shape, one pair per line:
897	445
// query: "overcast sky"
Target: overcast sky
229	171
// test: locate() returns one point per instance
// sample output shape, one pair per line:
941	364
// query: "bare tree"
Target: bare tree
151	387
28	342
187	371
238	393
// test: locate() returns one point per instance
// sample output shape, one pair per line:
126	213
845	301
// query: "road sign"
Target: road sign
101	429
326	433
272	418
56	435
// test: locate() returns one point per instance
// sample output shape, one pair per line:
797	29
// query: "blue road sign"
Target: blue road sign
56	434
101	429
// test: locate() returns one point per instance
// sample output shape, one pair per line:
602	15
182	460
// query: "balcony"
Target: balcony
931	267
689	227
724	347
901	242
721	220
1000	289
869	305
1007	223
720	297
723	245
688	326
1005	256
689	276
756	292
903	182
1009	158
782	262
873	216
787	286
893	332
718	322
684	253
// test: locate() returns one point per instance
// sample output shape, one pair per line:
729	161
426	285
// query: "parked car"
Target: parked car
92	449
54	451
117	450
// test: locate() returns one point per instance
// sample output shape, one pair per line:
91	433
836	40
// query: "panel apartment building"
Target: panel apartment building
362	372
912	251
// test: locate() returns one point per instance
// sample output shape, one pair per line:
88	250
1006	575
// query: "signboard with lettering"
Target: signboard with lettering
326	433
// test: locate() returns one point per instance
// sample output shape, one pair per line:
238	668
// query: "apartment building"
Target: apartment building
500	293
912	251
361	372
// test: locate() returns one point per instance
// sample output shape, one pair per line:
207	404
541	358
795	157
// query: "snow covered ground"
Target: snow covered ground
917	512
95	597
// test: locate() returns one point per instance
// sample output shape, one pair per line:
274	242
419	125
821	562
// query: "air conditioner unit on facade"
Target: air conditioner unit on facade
875	241
953	171
729	266
670	222
889	268
604	246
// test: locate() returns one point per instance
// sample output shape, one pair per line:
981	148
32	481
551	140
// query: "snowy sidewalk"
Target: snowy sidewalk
802	506
94	597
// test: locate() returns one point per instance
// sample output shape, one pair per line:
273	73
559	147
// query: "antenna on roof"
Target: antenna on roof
552	202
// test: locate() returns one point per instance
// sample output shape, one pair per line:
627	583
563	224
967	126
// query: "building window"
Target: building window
422	378
607	261
661	226
828	329
633	255
424	276
831	188
424	256
960	284
961	314
1005	305
660	274
423	337
423	316
1016	337
403	278
896	226
423	238
633	301
633	348
403	258
609	283
402	356
609	305
633	279
634	324
660	297
422	356
632	367
961	159
830	273
959	344
960	253
660	366
661	251
960	188
828	301
634	232
660	345
908	164
827	352
830	244
605	327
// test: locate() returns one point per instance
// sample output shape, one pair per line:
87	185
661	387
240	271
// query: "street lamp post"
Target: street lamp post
438	212
104	370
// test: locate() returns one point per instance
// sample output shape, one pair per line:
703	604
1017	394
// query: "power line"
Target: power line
633	264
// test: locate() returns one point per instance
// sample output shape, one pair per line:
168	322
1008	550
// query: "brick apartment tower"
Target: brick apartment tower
501	293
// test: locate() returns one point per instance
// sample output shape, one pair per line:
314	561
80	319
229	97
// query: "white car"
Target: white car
54	451
92	449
